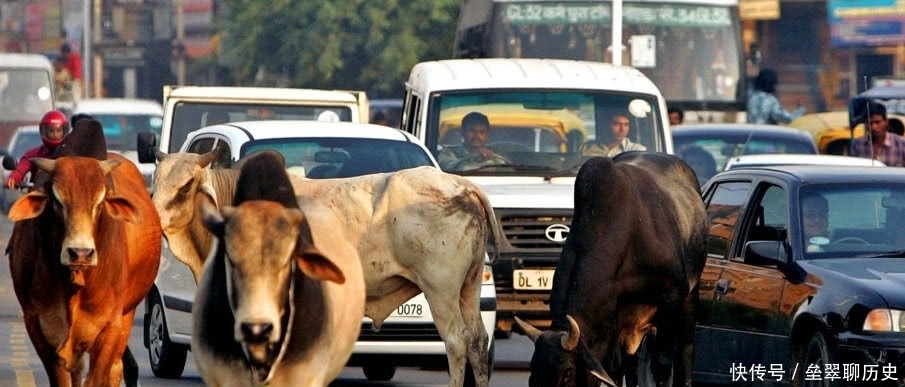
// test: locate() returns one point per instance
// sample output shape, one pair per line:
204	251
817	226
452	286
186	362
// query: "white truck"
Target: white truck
187	108
541	112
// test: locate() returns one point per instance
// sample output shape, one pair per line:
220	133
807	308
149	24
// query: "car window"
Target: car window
867	219
725	147
320	158
724	209
769	222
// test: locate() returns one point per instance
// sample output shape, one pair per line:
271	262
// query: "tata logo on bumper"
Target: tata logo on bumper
557	233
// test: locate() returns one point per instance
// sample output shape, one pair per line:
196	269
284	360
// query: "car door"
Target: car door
747	327
725	202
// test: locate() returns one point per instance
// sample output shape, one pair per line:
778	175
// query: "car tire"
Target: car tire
167	358
469	374
817	352
379	371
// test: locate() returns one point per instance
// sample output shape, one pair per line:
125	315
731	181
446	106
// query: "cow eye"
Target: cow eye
183	191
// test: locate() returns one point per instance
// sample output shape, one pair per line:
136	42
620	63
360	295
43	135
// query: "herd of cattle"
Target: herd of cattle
287	267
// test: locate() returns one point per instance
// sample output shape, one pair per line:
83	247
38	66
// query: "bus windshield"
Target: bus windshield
541	131
690	49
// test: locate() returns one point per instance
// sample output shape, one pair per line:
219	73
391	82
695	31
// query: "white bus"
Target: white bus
691	49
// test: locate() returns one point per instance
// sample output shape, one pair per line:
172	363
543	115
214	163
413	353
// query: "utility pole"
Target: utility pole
180	41
616	24
87	43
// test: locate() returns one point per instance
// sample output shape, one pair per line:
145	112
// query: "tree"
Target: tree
352	44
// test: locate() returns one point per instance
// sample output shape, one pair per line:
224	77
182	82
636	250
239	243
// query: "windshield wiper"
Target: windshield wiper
516	167
889	254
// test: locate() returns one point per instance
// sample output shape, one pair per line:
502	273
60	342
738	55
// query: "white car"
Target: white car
763	160
316	150
122	120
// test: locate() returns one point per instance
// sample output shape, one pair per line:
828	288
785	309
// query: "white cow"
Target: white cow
416	230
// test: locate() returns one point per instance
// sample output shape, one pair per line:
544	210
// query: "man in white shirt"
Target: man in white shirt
619	143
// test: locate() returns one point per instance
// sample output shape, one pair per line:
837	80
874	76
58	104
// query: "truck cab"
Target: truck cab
187	108
542	112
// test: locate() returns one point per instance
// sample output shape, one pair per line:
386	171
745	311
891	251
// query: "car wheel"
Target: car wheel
167	358
816	355
645	376
378	371
469	374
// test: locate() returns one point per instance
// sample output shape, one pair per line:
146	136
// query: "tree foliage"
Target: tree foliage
351	44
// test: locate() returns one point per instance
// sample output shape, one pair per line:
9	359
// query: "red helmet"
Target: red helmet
53	118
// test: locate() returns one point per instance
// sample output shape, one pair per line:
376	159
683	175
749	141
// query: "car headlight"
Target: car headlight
885	320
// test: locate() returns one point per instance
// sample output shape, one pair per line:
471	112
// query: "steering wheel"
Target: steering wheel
474	161
509	146
850	240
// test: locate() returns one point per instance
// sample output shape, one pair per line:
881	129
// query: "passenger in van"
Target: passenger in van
473	153
619	142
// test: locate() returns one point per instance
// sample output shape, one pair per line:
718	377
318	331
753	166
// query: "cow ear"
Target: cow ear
28	206
213	219
593	366
315	265
122	209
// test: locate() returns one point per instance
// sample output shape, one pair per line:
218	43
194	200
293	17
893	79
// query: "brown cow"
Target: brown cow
293	286
84	251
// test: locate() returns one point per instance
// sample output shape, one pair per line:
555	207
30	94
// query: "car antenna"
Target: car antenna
870	135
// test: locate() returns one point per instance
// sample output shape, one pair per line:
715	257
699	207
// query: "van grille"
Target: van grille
524	231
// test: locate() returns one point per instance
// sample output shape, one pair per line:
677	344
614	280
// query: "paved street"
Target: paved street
20	366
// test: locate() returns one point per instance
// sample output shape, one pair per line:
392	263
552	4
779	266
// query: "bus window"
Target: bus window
691	51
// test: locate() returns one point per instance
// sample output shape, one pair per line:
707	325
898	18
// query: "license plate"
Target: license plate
532	279
410	310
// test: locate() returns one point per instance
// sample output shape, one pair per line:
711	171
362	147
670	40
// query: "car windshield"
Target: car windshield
25	141
321	158
846	220
25	94
538	132
121	130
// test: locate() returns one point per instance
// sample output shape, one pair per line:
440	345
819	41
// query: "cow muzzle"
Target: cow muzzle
78	257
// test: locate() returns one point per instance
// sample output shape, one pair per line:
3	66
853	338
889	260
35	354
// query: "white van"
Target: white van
542	113
26	91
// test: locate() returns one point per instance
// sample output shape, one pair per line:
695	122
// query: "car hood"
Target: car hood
884	277
527	191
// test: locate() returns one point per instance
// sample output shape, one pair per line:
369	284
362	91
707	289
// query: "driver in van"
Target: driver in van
473	153
619	143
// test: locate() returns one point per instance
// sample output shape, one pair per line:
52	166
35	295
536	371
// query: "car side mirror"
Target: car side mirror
146	142
9	162
766	253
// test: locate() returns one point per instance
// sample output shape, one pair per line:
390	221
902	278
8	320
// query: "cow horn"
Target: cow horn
159	155
570	341
529	330
209	157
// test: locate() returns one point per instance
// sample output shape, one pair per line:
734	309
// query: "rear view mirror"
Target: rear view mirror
331	157
146	143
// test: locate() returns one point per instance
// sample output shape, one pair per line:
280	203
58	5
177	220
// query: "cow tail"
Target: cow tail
496	233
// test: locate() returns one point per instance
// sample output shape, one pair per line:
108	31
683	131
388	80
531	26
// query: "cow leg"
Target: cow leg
130	368
57	374
469	303
451	326
106	366
673	347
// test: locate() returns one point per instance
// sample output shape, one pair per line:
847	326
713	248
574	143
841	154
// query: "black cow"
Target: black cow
628	271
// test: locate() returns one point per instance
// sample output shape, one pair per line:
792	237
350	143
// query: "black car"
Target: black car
707	147
805	277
